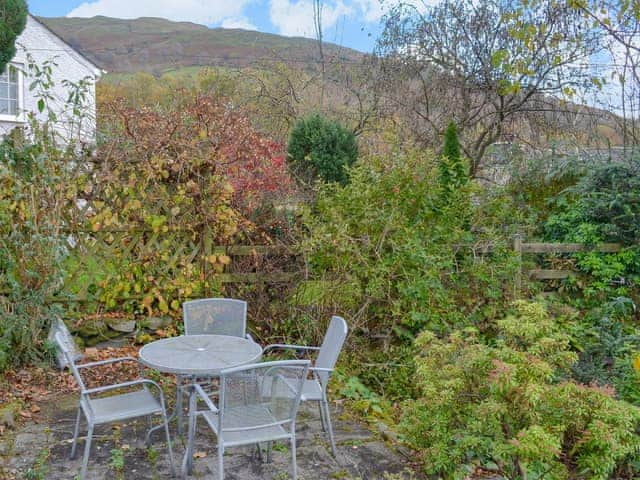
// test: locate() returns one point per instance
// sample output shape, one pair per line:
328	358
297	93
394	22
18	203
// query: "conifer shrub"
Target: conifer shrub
323	149
453	170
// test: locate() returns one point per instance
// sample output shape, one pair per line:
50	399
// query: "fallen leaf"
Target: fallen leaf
25	414
91	351
35	408
197	455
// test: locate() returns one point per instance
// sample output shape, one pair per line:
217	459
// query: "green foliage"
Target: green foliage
366	401
13	19
608	345
603	206
39	187
407	261
36	183
453	171
502	405
321	148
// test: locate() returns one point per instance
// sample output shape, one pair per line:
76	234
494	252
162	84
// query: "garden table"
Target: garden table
198	356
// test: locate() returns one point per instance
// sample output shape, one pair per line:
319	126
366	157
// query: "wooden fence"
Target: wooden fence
522	248
103	250
247	265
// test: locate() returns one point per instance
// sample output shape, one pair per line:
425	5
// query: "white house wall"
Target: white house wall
42	45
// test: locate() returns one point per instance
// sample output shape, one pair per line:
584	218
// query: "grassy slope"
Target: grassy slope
156	45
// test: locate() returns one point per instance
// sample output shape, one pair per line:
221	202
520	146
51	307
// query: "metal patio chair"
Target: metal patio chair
99	409
210	316
315	388
215	316
256	403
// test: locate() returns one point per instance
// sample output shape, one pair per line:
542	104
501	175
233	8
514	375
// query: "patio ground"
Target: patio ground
38	451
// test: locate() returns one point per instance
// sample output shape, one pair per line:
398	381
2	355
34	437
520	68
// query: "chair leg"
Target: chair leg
325	405
87	449
293	457
75	435
166	431
323	421
191	434
220	465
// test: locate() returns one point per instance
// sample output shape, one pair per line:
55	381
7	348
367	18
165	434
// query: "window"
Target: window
10	92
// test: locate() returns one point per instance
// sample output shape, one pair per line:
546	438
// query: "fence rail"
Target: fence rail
139	244
521	248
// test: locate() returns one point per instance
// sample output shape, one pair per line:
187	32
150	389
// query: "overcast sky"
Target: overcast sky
353	23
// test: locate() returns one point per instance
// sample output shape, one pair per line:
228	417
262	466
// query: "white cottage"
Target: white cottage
36	45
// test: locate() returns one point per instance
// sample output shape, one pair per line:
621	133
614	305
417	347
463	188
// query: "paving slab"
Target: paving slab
40	451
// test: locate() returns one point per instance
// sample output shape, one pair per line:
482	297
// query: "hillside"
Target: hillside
156	45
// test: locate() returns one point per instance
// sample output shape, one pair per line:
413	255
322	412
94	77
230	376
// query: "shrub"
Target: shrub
502	405
189	175
385	249
37	183
604	206
453	171
321	148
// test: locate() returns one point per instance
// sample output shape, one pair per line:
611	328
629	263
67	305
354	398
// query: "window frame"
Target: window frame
19	117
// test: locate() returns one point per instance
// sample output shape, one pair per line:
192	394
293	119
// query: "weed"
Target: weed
39	470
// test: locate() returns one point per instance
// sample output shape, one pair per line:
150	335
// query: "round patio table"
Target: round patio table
196	356
199	355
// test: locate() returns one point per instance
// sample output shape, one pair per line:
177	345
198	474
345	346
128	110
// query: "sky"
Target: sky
352	23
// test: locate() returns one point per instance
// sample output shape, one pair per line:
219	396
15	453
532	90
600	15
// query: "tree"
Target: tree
619	21
13	19
483	63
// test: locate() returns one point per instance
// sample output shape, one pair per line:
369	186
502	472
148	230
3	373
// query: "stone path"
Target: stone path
40	451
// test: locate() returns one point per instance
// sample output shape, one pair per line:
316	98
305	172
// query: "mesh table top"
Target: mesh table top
199	354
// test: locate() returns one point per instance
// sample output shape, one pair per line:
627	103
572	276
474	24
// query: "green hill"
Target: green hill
157	45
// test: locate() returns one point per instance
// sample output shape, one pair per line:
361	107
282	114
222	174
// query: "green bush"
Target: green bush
603	206
36	185
608	344
502	405
453	171
321	148
396	259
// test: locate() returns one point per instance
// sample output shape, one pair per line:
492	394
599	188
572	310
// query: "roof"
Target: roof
80	57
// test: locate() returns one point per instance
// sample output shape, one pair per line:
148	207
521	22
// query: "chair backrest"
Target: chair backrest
215	316
63	347
331	346
260	395
65	338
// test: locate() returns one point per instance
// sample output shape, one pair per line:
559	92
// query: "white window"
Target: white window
11	94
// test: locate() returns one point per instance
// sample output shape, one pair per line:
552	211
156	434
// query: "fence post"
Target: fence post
517	247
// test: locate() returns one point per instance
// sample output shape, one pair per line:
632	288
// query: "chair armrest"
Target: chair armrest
107	362
204	397
320	369
142	381
281	346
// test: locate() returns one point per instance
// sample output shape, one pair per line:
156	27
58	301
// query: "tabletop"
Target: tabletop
199	354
